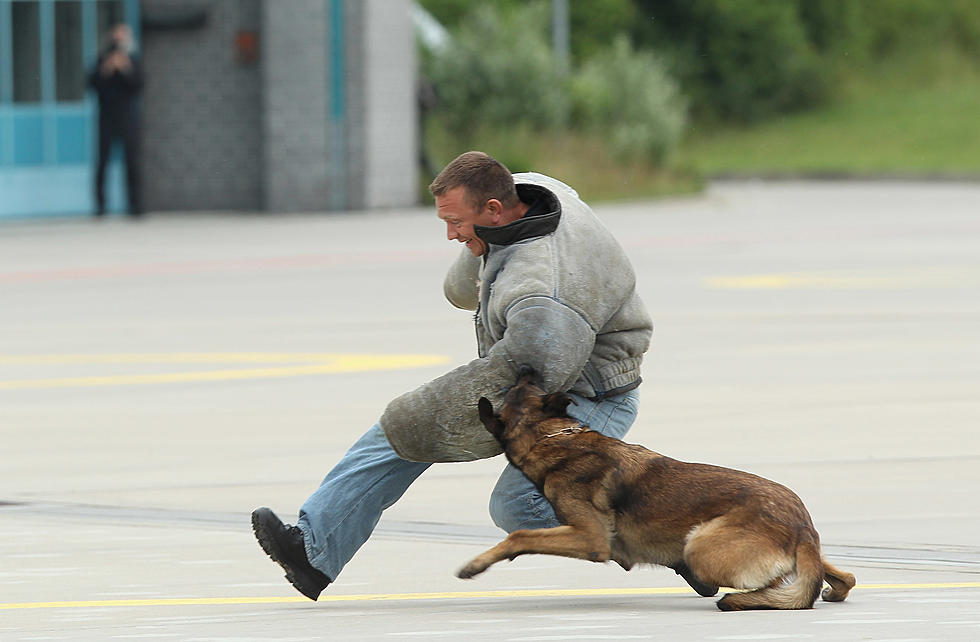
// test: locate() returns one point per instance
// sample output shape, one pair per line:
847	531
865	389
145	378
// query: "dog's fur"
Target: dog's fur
617	501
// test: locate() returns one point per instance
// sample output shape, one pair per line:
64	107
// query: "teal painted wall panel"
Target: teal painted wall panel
6	138
28	139
73	133
6	59
56	191
47	148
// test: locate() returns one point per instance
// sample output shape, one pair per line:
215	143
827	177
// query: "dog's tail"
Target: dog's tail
841	583
800	593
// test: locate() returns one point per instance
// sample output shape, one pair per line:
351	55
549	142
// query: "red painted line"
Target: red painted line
221	265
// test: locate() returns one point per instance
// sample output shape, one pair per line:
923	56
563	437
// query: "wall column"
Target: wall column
340	115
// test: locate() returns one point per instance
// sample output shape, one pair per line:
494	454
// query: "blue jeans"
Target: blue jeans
343	512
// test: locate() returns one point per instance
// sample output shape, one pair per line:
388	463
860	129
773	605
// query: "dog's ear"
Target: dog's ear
556	403
490	421
525	371
485	408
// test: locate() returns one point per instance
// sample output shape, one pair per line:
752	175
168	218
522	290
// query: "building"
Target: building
278	105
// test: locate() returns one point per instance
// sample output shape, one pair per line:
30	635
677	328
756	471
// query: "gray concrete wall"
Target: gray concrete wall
325	120
295	104
386	127
360	152
202	110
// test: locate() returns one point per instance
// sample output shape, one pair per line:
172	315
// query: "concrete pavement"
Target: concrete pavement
160	379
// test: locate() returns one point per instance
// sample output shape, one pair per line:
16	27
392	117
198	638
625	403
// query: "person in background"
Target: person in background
118	81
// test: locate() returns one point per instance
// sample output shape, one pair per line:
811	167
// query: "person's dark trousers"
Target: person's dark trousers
128	134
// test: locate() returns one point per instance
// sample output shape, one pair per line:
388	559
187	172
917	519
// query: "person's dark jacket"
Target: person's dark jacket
118	92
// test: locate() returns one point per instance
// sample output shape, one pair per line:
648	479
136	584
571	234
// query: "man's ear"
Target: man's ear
556	403
494	209
490	421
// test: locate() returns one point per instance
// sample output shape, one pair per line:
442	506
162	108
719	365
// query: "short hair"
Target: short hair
483	176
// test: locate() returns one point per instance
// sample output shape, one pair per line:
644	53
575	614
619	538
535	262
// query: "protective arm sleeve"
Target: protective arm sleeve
462	281
438	422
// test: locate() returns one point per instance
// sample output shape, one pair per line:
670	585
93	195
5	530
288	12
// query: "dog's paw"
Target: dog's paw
830	595
727	604
471	570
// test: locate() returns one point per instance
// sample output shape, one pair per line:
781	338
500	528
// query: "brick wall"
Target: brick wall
295	105
202	144
272	135
391	104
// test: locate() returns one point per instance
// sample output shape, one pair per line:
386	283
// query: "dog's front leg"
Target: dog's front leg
484	561
567	541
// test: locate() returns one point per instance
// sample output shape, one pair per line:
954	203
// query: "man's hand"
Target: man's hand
116	61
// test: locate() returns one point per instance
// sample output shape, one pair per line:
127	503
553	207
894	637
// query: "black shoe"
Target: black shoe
702	589
286	546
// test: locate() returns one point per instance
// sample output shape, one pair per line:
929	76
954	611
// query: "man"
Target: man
118	81
552	289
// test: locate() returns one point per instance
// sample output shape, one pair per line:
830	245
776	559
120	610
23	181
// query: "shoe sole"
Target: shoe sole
302	583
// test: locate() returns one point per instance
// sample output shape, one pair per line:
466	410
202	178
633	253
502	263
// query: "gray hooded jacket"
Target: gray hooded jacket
555	291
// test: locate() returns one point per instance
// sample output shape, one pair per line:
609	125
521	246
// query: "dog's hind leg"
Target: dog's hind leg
800	593
722	552
568	541
702	589
841	583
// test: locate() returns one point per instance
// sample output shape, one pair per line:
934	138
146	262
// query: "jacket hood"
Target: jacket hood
532	225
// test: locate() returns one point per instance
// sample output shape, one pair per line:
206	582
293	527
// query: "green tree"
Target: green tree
499	71
627	98
738	60
593	24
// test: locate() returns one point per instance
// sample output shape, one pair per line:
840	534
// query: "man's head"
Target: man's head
475	189
121	37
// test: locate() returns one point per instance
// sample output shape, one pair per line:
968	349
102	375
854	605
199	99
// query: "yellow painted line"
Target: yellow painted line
176	357
89	604
787	281
455	595
921	585
925	277
303	364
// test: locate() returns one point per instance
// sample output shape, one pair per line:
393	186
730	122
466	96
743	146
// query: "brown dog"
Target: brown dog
617	501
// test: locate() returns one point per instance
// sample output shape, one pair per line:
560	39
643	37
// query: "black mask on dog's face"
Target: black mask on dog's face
525	399
490	420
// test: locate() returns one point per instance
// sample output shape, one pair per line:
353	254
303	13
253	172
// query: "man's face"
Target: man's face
121	35
455	208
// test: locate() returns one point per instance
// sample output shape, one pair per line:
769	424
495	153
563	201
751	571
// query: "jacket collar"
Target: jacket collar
541	219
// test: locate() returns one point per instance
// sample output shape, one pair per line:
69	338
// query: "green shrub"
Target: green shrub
628	98
836	28
921	24
738	60
594	24
499	71
500	74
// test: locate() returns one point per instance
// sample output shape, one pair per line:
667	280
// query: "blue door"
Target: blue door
47	115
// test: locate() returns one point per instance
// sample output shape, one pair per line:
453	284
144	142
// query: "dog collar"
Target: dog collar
571	430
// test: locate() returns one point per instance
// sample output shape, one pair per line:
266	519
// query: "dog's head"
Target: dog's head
526	405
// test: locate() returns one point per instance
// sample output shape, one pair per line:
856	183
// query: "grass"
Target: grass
914	119
581	161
